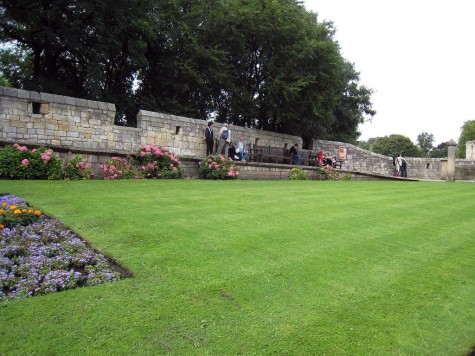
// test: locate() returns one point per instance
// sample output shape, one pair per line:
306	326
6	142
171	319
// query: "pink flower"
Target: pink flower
23	148
175	169
82	165
25	162
143	153
236	173
112	168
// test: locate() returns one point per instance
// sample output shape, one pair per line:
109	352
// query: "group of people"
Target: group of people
321	159
240	150
236	151
327	160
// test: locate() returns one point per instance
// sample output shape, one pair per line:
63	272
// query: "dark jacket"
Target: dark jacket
209	134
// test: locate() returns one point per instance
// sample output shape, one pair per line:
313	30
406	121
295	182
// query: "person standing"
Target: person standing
209	136
224	139
402	165
294	154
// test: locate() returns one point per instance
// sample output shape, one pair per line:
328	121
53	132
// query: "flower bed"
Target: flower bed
44	256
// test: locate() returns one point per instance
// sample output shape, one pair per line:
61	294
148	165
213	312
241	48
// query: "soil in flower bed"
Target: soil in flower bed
46	257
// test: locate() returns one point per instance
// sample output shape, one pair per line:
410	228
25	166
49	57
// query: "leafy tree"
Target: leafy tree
367	145
425	142
264	64
440	151
467	134
393	145
16	66
80	48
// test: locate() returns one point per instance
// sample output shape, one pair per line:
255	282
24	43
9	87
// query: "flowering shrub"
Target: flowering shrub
74	168
218	167
18	162
329	173
120	168
14	211
45	257
149	162
157	162
298	174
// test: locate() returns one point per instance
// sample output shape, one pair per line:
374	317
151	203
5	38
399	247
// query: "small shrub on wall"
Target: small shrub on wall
329	173
218	167
298	174
74	168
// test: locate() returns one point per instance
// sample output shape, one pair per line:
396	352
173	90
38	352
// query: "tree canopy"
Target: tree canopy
467	134
425	142
393	145
264	64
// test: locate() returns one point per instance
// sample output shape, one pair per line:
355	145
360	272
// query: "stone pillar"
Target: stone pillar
470	150
451	161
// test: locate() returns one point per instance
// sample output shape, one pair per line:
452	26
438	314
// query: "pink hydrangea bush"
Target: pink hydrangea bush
157	162
218	167
18	162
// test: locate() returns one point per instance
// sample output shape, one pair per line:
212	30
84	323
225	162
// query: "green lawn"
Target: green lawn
259	267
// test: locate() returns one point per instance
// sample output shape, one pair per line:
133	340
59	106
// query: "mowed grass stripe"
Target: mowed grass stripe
255	267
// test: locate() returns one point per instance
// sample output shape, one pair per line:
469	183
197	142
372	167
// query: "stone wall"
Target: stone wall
87	127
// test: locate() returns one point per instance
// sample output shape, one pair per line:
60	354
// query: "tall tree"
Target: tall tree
467	134
83	48
393	145
259	63
425	142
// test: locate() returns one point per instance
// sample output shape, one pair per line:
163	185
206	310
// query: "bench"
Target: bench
255	154
337	163
279	155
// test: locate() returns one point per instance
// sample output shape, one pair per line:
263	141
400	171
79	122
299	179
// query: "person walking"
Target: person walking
224	140
209	136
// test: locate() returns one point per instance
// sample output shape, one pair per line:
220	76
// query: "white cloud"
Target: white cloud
417	55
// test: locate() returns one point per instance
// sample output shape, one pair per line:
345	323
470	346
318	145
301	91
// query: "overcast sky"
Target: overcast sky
417	55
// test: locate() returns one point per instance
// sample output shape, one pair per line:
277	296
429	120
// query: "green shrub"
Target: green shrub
298	174
218	167
74	168
18	162
329	173
120	168
157	162
149	162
